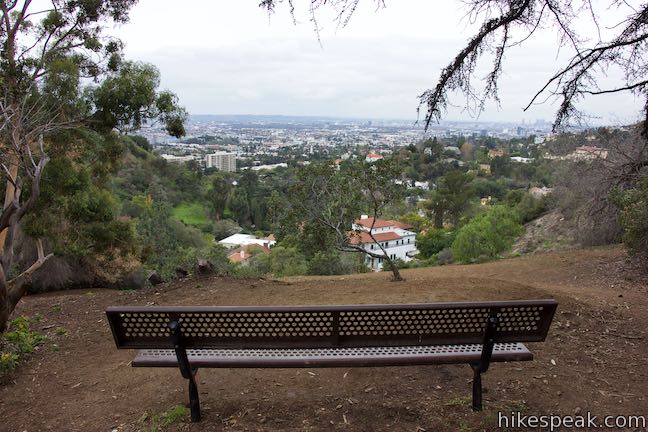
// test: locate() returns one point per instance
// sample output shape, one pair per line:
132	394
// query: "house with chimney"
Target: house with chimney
395	237
242	254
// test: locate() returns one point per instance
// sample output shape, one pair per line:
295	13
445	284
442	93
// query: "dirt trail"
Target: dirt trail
80	382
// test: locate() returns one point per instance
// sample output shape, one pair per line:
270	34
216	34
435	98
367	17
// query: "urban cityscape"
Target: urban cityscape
228	142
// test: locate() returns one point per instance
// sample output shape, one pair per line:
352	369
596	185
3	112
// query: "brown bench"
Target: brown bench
192	337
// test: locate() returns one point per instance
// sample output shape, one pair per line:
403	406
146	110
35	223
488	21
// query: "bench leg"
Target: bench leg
484	362
477	388
186	370
194	400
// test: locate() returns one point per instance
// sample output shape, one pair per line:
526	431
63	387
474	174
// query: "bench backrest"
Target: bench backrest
330	326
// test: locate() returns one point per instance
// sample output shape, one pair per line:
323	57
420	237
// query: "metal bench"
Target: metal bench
192	337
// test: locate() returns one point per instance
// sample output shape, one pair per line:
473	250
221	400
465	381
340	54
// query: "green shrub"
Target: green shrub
530	208
224	228
8	362
217	255
21	338
247	270
514	197
417	263
174	415
329	263
280	262
419	223
487	235
434	241
634	218
445	257
287	262
485	187
16	342
168	418
187	236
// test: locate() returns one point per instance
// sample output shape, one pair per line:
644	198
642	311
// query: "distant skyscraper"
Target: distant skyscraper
222	160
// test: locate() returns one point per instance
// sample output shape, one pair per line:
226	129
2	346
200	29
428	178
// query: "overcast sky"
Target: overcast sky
230	57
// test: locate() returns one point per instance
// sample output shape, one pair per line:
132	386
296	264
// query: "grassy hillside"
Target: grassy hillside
193	214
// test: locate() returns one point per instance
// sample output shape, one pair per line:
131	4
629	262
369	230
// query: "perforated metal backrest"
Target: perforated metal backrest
330	326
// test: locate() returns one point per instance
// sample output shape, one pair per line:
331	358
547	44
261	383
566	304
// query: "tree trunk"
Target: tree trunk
10	191
455	220
4	317
12	291
438	219
5	310
396	276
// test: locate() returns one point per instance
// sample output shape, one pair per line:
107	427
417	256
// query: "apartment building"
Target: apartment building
221	160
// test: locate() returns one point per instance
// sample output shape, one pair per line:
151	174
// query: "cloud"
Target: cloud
234	59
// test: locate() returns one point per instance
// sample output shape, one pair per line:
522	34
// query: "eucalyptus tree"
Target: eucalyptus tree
60	71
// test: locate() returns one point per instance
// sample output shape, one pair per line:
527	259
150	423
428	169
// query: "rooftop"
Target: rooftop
364	237
381	223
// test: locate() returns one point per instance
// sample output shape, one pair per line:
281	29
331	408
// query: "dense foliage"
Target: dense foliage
66	86
487	235
633	204
434	241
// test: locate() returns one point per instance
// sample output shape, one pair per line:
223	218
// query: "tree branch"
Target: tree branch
619	89
18	285
456	74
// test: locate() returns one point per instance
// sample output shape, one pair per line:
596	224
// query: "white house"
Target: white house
521	159
177	159
237	240
395	237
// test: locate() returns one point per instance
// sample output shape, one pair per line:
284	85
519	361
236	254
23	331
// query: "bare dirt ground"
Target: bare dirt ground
593	360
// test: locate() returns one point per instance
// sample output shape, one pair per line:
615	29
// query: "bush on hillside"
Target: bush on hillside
17	342
487	235
434	241
281	261
417	263
634	218
224	228
329	263
530	208
513	197
485	187
187	235
445	257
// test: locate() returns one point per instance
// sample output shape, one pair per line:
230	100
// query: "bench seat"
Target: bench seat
316	336
332	357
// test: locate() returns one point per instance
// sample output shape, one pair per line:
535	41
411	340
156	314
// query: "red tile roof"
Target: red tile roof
400	225
380	223
244	253
364	237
